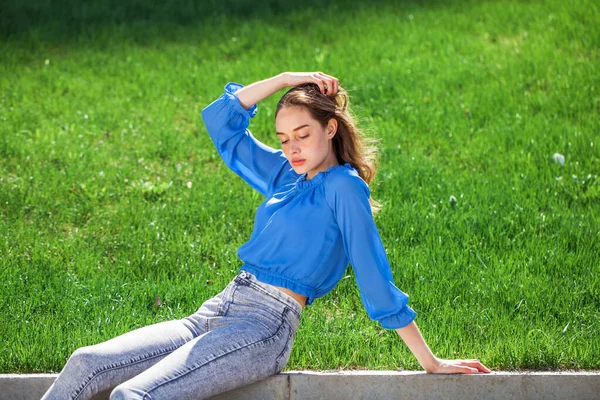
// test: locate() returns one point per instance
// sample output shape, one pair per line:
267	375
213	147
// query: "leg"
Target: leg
250	342
93	369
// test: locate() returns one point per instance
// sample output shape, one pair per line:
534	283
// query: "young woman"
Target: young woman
317	217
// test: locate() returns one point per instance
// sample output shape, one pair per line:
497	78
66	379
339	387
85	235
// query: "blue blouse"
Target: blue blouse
306	231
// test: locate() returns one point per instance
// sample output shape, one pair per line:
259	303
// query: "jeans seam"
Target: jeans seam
112	367
216	358
287	342
223	299
225	302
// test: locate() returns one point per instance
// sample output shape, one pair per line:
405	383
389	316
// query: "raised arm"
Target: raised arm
260	90
227	120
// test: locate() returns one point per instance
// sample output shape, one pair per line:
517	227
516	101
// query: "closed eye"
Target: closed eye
301	137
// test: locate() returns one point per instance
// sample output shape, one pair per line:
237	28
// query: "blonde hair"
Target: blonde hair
350	144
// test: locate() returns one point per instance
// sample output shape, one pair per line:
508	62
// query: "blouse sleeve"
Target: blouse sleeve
348	196
227	123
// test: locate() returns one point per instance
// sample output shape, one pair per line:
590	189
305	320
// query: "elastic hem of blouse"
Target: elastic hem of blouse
303	184
398	320
229	91
276	280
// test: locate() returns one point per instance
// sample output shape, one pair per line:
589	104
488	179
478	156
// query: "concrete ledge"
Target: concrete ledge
304	385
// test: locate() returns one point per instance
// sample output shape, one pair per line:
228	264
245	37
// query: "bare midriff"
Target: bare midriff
299	297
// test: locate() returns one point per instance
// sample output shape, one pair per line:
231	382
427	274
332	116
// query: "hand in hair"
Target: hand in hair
328	84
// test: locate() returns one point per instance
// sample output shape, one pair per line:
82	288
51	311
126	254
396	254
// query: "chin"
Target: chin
300	169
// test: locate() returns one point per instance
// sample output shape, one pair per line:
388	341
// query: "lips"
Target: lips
298	162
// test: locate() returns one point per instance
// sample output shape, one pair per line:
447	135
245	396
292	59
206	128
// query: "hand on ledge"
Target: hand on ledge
458	367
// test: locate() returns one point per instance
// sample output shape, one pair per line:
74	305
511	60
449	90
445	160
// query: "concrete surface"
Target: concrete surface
304	385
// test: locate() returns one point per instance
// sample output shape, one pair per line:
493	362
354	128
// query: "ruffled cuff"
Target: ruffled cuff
398	320
230	90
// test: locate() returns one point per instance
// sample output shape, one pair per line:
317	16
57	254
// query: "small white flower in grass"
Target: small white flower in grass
47	62
452	200
558	158
189	184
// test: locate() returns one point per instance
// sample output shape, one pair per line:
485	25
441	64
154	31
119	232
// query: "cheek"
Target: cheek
320	144
314	141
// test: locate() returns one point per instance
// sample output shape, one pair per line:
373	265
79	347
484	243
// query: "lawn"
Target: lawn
117	212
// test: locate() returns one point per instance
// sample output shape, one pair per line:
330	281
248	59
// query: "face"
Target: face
303	138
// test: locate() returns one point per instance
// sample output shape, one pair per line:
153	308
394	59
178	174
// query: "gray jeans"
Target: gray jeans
242	335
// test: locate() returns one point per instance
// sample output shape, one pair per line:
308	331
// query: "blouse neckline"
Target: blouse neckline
303	184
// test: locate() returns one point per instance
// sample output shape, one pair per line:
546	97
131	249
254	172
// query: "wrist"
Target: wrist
415	342
282	80
431	364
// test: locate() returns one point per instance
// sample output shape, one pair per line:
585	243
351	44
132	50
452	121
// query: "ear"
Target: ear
332	126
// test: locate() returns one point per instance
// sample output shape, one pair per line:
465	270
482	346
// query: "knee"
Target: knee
125	392
119	393
82	358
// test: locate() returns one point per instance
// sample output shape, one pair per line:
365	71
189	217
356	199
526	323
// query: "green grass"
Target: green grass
100	133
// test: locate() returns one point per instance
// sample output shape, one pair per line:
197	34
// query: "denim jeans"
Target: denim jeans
242	335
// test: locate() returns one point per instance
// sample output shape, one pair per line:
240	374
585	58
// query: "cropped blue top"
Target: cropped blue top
306	231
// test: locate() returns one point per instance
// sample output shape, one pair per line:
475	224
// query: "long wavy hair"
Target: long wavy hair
350	143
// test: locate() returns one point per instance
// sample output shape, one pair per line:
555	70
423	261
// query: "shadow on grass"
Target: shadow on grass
66	21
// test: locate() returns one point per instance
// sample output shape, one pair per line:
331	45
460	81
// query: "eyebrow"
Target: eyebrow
301	126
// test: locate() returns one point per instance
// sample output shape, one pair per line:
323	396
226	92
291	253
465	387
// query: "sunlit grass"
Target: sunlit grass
111	192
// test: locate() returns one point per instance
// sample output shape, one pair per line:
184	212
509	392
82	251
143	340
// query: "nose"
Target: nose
294	146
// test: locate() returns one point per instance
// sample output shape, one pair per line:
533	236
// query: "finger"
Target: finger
335	85
476	364
319	83
328	86
331	87
467	370
457	369
332	84
325	76
483	368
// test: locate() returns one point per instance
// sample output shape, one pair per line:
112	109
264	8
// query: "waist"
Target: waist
298	297
294	289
